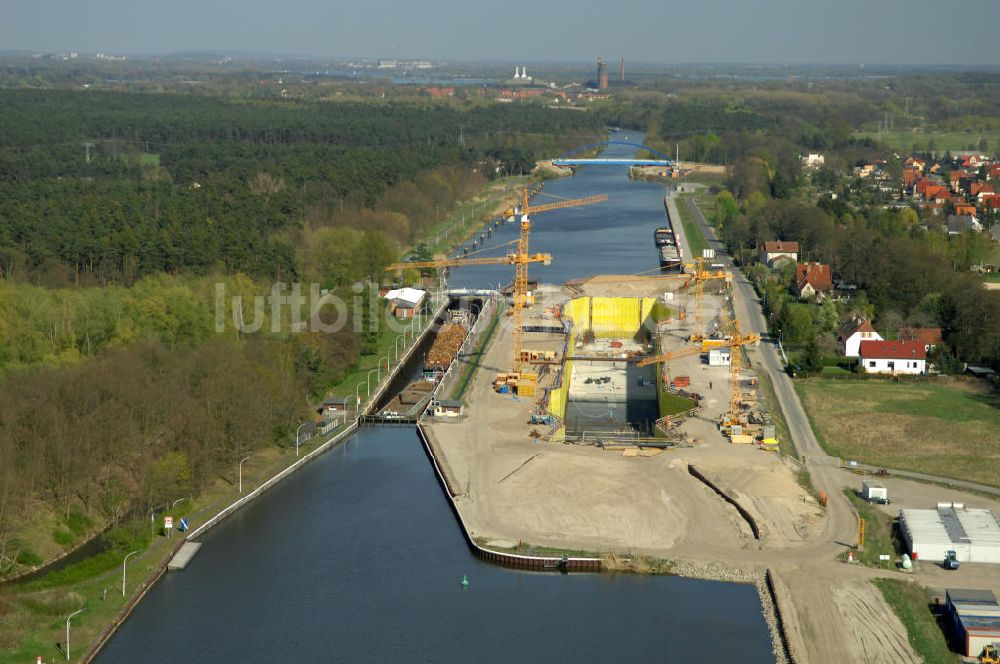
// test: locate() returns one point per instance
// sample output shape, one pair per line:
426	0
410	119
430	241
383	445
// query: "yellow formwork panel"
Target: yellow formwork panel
614	316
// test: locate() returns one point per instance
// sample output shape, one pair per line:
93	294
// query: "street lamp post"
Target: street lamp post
75	613
357	398
123	570
241	472
297	439
378	371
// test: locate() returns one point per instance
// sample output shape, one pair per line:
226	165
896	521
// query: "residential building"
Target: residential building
813	161
777	251
893	357
812	279
930	337
853	333
963	224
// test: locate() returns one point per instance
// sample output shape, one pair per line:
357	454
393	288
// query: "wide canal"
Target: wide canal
358	557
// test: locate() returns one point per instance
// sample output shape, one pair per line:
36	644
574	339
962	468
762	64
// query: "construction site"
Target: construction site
596	396
623	415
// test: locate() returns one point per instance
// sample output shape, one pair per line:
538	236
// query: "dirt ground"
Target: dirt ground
515	488
842	620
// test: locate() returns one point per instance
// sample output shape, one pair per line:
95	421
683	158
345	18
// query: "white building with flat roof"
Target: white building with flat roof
973	534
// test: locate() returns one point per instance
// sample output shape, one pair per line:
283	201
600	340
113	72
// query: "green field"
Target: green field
949	429
912	605
904	141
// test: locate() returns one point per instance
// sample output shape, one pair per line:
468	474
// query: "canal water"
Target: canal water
614	237
358	557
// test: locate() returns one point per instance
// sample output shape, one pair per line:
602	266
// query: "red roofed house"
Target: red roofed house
853	333
955	179
775	252
982	190
930	337
812	279
893	357
965	209
994	172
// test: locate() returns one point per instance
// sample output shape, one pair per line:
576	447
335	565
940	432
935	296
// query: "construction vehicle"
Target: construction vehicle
950	560
520	258
991	655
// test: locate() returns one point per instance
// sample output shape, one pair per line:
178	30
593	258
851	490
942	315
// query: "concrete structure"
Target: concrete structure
405	301
975	615
973	534
183	556
893	357
775	252
853	333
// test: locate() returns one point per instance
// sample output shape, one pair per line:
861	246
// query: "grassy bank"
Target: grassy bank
948	428
472	361
912	604
879	539
692	231
33	615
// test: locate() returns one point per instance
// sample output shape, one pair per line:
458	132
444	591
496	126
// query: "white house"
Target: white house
778	251
853	333
893	357
813	160
405	301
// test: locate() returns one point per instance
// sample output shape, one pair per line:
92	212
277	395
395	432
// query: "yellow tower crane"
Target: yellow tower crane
701	275
736	341
519	259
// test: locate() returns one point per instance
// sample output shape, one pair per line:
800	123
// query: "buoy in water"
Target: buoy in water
465	581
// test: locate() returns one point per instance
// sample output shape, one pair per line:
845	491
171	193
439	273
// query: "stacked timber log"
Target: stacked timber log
449	339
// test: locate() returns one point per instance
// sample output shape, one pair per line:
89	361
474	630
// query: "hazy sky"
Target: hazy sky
755	31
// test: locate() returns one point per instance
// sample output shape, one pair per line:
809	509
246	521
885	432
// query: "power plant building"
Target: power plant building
602	75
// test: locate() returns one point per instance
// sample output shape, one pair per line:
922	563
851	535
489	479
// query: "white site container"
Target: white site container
718	357
874	491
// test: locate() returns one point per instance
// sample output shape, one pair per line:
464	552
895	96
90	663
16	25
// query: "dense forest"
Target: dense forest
99	187
120	216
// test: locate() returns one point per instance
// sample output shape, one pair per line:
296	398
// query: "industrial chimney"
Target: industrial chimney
621	71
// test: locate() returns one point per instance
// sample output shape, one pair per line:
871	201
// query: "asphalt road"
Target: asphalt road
823	468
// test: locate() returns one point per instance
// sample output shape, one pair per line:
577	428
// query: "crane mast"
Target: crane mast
519	259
